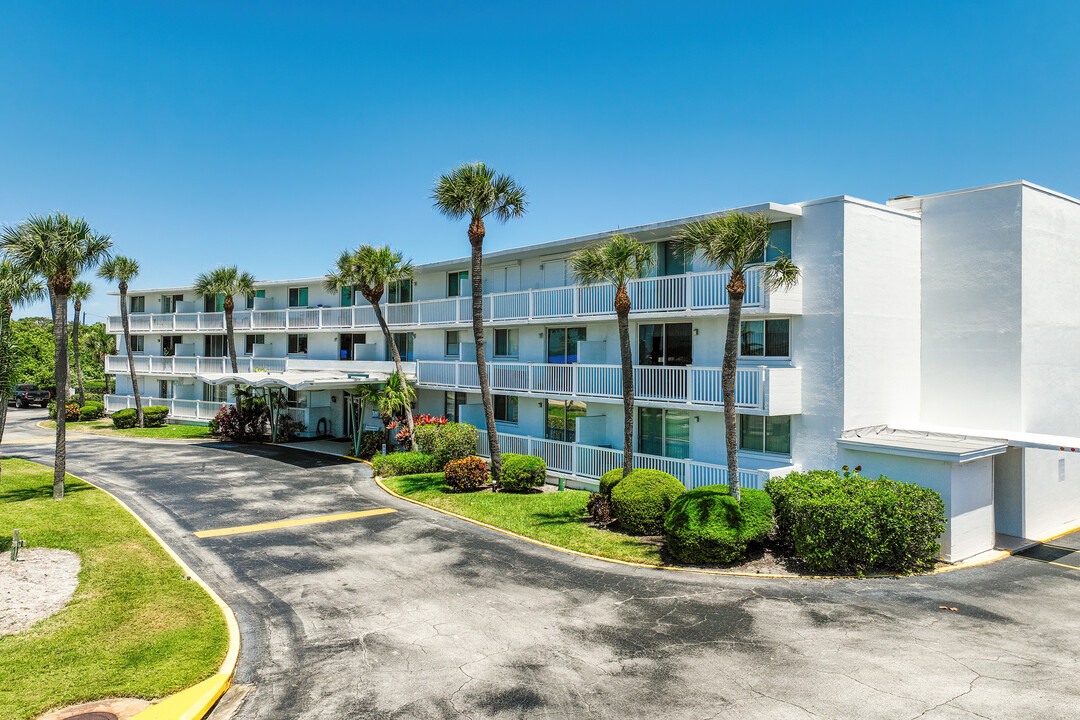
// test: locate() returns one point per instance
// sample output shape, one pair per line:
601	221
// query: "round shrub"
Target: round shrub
403	463
455	441
707	525
91	411
609	480
521	472
467	474
642	498
371	442
52	409
155	415
124	419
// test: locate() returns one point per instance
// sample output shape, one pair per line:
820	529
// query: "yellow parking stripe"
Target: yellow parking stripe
292	523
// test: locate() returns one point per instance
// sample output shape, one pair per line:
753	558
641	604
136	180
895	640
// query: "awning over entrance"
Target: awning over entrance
299	380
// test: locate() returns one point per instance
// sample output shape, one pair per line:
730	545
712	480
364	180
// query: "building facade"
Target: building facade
931	339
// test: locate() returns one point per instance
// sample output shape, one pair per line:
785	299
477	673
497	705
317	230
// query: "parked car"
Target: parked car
26	395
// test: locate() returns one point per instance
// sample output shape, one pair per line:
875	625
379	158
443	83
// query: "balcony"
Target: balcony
189	365
684	294
759	390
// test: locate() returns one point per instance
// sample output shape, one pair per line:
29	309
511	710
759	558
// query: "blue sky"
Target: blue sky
274	134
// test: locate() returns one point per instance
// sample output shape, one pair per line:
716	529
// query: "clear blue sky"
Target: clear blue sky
274	134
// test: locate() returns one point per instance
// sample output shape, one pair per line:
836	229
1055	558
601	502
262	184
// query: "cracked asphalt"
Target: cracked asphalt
418	615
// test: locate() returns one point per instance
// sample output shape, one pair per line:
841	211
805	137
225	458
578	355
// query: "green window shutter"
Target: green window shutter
303	297
219	303
346	297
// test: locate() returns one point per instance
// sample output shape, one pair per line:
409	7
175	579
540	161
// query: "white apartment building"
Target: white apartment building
934	339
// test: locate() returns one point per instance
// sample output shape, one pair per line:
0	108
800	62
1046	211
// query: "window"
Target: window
506	343
562	344
400	291
664	432
298	297
669	261
451	402
298	344
138	342
250	341
765	338
779	243
168	302
346	349
456	282
138	303
251	298
214	303
295	398
506	407
666	344
404	342
214	346
765	434
348	294
169	343
561	422
453	345
215	393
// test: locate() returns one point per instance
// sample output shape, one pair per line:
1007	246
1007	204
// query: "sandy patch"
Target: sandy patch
38	585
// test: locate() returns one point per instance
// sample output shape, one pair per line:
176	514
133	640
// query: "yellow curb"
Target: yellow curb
194	702
1060	534
674	568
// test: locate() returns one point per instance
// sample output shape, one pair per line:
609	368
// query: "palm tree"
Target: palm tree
364	394
476	191
227	281
618	261
57	248
17	287
735	241
372	270
122	270
99	343
80	290
395	397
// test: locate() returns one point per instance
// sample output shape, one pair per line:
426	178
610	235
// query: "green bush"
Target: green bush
403	463
455	441
91	411
522	472
426	437
641	499
126	418
155	415
849	523
609	480
467	474
371	443
706	525
52	409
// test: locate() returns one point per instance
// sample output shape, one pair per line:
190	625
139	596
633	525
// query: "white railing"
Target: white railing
699	386
689	292
189	365
586	462
178	408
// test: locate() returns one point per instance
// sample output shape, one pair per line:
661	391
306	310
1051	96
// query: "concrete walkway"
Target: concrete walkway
413	614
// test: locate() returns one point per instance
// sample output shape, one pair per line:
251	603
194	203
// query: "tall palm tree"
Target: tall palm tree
372	270
735	241
122	270
100	343
476	192
618	261
58	248
80	290
227	281
17	287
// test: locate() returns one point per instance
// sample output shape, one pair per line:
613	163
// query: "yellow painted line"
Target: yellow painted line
1049	562
1060	534
292	523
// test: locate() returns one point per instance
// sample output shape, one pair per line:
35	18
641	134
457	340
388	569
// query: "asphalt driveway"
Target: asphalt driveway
414	614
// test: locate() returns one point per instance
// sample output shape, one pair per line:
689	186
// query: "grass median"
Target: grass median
105	427
134	628
557	518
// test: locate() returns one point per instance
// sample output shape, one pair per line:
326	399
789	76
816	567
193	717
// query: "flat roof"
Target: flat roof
927	444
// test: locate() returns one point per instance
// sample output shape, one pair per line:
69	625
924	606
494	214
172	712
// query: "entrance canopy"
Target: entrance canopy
297	380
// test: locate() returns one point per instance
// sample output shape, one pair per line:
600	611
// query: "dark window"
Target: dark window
506	408
138	303
169	343
668	259
451	402
667	344
168	302
506	343
298	344
765	434
765	338
404	342
298	297
251	298
779	243
214	346
400	292
453	345
562	344
664	432
347	342
250	341
138	342
214	303
457	283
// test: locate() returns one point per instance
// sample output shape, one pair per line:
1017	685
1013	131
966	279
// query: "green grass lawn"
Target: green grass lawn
134	628
105	427
558	518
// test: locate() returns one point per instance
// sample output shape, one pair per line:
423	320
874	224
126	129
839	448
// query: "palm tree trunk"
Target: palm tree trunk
400	371
476	239
622	313
130	356
230	340
59	310
736	289
78	354
5	361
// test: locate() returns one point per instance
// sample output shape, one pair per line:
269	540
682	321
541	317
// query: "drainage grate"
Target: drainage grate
92	716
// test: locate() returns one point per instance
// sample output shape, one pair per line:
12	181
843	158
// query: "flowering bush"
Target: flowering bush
467	474
419	421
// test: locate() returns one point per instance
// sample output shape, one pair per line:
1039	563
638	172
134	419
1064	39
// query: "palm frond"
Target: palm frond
782	274
119	269
476	191
617	261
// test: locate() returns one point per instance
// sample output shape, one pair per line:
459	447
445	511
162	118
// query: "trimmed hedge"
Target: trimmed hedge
849	523
706	525
155	415
371	443
609	480
641	500
522	472
455	441
467	474
403	463
124	419
91	411
426	437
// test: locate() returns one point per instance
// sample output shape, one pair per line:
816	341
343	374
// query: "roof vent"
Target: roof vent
902	197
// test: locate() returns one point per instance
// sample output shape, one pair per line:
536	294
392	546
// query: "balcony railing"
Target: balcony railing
590	463
189	365
674	293
178	408
691	385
